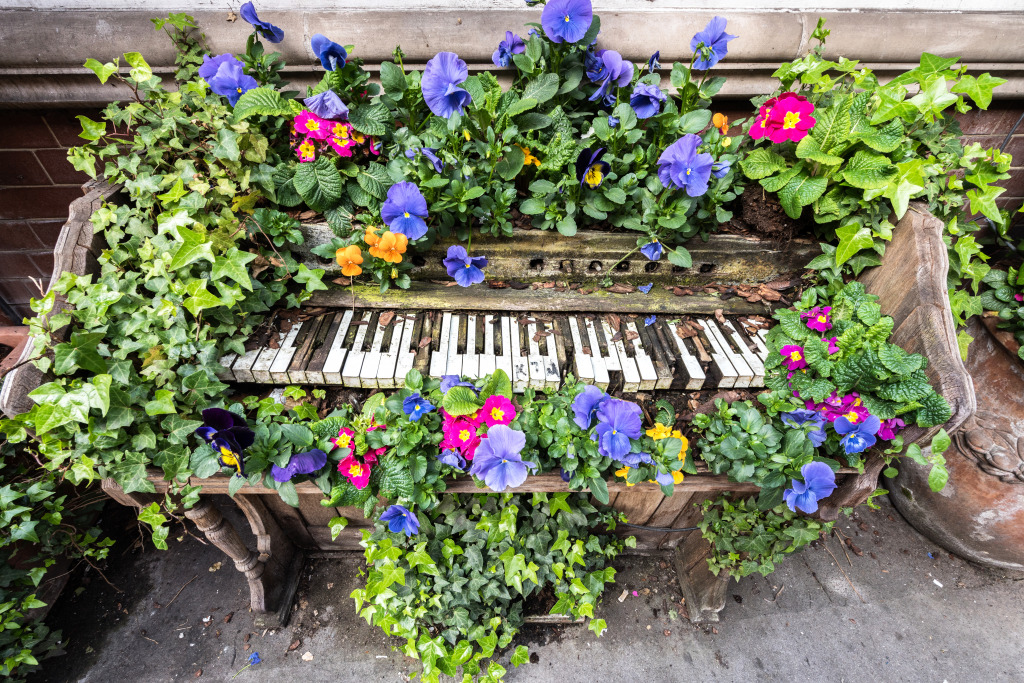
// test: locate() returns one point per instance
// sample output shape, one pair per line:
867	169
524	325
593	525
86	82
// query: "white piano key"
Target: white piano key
763	334
694	373
729	375
584	366
406	356
630	374
336	355
371	361
520	365
226	361
354	360
552	376
537	377
487	360
601	378
504	361
454	362
744	374
279	368
470	359
759	345
439	358
242	369
610	357
749	357
644	364
389	359
261	368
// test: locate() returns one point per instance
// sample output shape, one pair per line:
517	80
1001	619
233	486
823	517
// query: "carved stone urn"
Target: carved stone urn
980	513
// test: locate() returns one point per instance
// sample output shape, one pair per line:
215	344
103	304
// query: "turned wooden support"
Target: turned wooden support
222	534
703	592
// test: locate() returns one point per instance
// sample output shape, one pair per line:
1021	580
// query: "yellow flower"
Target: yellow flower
726	143
528	157
659	432
623	473
465	134
677	477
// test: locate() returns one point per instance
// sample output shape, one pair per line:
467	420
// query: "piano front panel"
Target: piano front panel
376	349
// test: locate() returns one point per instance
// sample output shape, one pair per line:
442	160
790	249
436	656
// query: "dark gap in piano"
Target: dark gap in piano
707	267
623	266
652	267
537	264
595	267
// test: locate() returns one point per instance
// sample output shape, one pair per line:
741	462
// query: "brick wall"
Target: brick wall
36	185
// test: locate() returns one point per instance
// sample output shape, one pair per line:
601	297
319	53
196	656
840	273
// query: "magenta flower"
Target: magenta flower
833	347
497	410
499	462
819	482
1018	297
788	119
309	124
793	357
567	20
890	428
818	319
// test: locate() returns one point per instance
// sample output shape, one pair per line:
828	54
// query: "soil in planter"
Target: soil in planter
765	216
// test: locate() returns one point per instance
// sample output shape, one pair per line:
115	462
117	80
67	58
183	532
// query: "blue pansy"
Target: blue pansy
711	44
300	463
682	167
404	210
231	81
857	437
467	270
618	421
612	122
819	482
449	381
646	100
254	658
803	416
652	250
415	406
646	289
632	459
590	170
441	78
649	320
565	475
567	20
653	63
611	70
399	518
264	28
586	404
452	458
498	459
327	105
512	45
720	169
430	153
208	69
331	55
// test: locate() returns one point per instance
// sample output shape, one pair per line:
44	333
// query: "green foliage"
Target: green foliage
745	538
1003	295
456	591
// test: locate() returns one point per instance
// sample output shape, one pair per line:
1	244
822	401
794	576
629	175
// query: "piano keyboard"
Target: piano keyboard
375	349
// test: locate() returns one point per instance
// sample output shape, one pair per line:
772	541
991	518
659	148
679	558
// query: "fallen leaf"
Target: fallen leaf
259	264
616	337
274	261
343	281
779	285
306	215
199	672
714	630
246	639
497	284
631	335
667	632
295	644
227	617
621	288
216	566
613	321
719	315
424	342
515	284
385	318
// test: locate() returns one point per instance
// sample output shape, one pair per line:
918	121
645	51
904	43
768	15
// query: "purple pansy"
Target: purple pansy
857	437
720	169
449	381
612	122
452	458
415	406
632	459
399	518
498	460
467	270
299	463
682	167
664	478
819	482
608	68
646	100
209	67
264	28
567	20
441	78
228	435
512	45
802	416
653	63
231	81
652	250
711	44
404	210
618	421
565	475
327	105
331	55
430	153
590	170
646	289
586	404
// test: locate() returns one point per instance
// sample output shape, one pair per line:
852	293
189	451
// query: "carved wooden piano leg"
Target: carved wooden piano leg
703	592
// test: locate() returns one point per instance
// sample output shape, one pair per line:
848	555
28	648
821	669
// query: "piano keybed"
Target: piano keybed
376	349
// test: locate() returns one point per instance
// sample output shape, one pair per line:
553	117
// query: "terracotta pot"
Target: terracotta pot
980	513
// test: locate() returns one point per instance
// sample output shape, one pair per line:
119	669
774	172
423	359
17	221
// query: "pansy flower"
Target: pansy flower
608	68
857	437
441	78
431	155
390	246
344	438
818	318
452	458
890	428
586	404
802	416
528	157
231	81
327	105
309	124
659	432
415	407
208	69
228	435
721	122
590	170
646	100
652	250
404	210
331	55
349	258
499	461
400	518
618	421
512	45
567	20
467	270
819	482
264	28
653	64
635	458
649	320
720	168
299	463
497	410
612	121
449	381
711	44
793	357
358	473
682	167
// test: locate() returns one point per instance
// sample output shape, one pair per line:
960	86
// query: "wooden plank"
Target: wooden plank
312	511
666	514
348	539
703	592
289	519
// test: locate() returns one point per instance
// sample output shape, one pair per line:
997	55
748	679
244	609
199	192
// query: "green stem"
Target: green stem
628	254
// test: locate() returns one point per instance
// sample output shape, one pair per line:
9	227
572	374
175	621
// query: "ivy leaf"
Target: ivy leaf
520	656
311	278
162	404
200	298
79	352
102	71
232	265
318	183
933	98
193	247
978	89
226	146
852	238
598	626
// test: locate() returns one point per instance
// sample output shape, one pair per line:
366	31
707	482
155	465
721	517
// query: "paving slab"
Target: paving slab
887	605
